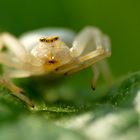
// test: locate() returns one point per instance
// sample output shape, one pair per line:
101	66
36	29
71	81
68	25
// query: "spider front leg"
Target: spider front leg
8	60
89	47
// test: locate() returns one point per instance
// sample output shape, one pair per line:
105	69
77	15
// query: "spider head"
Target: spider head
51	51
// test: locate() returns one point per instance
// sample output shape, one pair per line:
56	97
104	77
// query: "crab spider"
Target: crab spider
43	52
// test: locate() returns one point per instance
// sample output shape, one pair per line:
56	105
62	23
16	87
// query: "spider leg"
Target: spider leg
6	60
87	44
96	73
79	63
18	74
1	44
13	45
16	91
101	68
105	71
89	47
86	61
89	39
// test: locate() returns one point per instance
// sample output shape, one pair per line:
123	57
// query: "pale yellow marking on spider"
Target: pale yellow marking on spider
42	52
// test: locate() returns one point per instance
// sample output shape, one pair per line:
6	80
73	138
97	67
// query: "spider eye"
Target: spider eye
42	39
56	38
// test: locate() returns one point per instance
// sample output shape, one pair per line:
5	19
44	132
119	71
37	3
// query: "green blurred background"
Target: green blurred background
120	19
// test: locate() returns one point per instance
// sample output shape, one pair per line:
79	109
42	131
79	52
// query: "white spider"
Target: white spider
42	52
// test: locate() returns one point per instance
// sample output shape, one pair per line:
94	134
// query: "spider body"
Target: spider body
41	52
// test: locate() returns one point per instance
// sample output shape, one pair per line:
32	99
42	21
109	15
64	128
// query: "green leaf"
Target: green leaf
114	115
